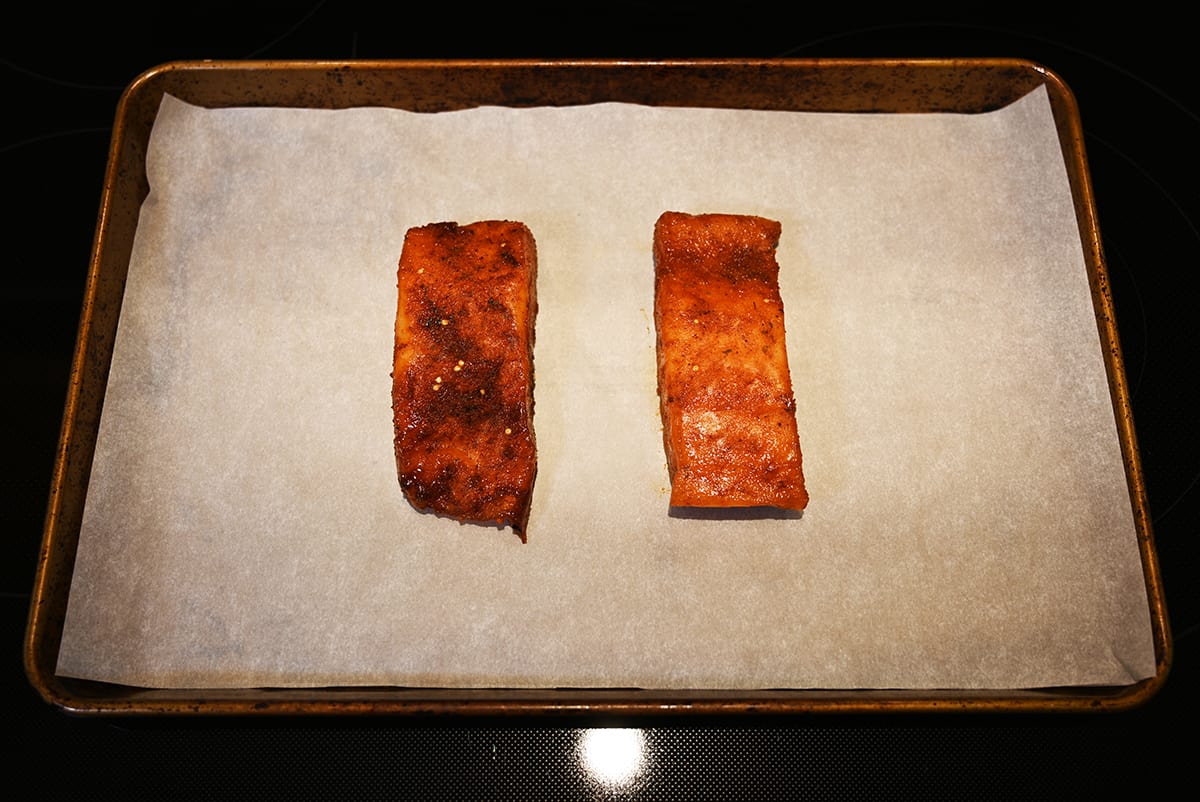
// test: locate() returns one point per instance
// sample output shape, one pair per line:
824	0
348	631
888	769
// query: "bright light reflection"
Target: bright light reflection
612	757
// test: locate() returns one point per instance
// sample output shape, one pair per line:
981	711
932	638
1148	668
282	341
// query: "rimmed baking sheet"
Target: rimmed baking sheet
971	525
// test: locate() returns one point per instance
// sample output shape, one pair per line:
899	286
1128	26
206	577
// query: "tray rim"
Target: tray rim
48	598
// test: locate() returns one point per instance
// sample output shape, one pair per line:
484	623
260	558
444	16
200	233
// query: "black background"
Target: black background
1132	75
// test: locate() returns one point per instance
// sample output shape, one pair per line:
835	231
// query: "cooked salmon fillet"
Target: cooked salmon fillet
462	377
725	391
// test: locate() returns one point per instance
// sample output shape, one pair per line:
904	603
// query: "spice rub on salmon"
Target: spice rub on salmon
725	391
462	376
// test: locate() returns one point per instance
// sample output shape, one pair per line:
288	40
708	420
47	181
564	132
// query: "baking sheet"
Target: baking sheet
970	524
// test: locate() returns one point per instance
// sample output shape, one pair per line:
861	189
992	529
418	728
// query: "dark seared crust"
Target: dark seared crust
725	391
462	378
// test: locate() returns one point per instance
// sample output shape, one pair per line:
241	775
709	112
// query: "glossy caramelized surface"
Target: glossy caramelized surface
462	380
729	424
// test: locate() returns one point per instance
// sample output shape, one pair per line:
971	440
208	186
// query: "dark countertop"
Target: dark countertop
1141	119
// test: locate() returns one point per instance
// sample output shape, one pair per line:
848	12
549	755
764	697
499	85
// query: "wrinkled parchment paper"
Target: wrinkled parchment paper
970	523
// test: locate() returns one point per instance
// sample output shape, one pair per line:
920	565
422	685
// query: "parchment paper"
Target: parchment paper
970	522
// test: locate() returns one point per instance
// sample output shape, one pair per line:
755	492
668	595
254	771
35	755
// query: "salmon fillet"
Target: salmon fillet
725	391
462	376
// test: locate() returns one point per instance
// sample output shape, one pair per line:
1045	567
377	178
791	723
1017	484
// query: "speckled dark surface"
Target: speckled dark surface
1140	122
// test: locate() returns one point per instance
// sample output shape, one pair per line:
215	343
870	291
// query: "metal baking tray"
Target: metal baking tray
876	86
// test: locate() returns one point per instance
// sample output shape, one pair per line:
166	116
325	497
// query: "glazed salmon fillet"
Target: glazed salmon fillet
725	391
462	377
